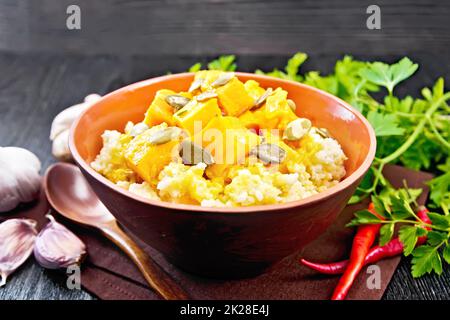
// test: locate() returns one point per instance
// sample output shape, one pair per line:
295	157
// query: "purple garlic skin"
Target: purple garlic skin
57	247
17	238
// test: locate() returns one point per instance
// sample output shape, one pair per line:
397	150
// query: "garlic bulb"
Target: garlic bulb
16	244
59	132
57	247
20	180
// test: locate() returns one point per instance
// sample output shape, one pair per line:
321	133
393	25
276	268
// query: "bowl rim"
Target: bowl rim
343	184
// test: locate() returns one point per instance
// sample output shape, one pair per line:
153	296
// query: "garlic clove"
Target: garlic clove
17	238
60	146
64	119
20	182
59	131
57	247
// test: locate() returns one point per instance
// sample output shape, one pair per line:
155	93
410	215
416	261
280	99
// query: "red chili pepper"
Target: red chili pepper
364	238
391	249
376	253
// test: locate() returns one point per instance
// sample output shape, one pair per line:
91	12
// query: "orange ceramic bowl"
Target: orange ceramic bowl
224	242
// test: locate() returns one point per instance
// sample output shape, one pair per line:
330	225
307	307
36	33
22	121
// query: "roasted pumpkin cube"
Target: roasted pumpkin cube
254	89
233	98
147	159
228	141
197	115
160	111
274	114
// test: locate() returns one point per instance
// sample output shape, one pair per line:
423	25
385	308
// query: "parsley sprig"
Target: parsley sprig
395	211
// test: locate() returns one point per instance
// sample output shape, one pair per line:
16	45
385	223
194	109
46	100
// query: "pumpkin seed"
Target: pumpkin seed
192	154
138	128
206	96
269	153
222	79
177	101
164	135
324	133
262	98
292	104
196	84
296	129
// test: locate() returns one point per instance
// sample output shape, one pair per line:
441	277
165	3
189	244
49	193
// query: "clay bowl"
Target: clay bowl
224	242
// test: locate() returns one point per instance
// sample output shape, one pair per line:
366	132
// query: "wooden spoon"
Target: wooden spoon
70	194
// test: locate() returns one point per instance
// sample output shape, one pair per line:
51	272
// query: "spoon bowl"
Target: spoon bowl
69	194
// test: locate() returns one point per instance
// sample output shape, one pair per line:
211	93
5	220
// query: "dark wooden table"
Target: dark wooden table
35	87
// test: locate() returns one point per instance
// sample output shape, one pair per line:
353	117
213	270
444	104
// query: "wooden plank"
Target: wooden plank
209	27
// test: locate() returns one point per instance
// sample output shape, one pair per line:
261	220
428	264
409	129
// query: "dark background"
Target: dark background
44	67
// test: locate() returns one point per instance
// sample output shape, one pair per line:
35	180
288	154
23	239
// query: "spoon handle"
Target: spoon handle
156	277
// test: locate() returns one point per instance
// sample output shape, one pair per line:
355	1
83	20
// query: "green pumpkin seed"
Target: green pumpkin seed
269	153
324	133
259	102
177	101
192	154
222	79
138	128
206	96
296	129
292	104
196	84
164	135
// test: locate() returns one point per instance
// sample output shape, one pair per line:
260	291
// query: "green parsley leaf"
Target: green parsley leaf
439	220
223	63
354	199
440	188
408	236
401	209
294	63
389	76
386	233
446	253
379	206
363	217
435	238
196	67
425	259
384	124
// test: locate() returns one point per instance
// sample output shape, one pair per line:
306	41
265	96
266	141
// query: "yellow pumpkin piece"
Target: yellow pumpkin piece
274	114
253	89
250	119
147	159
233	98
197	115
160	111
228	141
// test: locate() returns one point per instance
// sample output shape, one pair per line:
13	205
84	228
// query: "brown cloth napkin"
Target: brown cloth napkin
109	274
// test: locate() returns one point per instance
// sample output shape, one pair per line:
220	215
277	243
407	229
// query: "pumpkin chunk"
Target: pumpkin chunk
228	141
160	111
233	98
148	159
196	115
